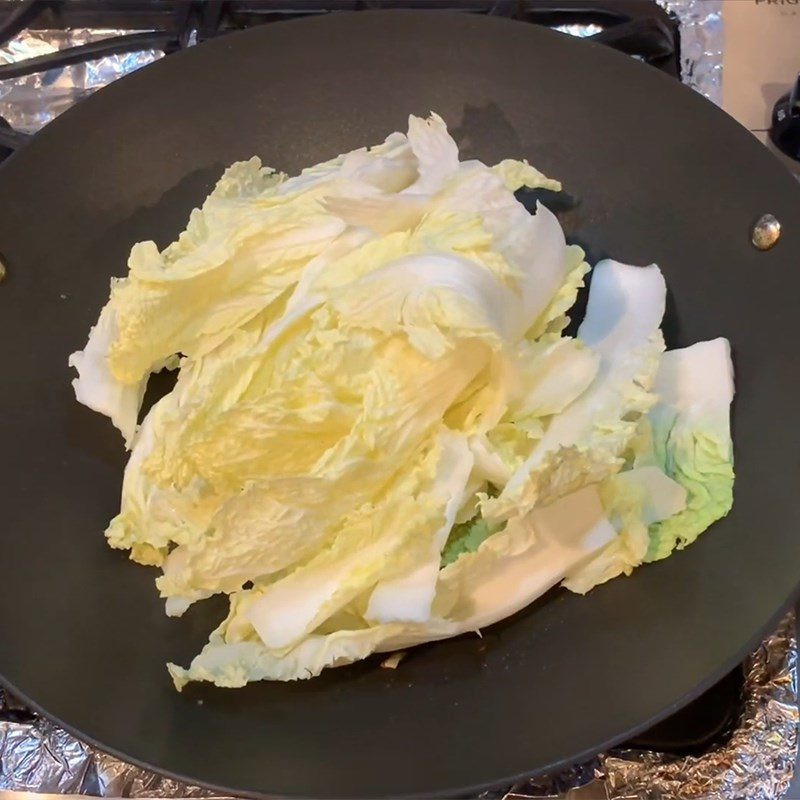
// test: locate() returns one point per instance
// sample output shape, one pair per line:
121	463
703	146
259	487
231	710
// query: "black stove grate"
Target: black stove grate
638	27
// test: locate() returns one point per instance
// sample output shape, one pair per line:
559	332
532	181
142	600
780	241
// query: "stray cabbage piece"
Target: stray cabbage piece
379	434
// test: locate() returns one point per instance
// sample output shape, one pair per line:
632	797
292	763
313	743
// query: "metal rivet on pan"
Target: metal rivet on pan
3	270
766	232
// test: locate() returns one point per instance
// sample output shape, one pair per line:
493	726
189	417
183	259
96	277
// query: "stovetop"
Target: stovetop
640	28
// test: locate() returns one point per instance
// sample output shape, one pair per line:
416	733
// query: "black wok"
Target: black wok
655	173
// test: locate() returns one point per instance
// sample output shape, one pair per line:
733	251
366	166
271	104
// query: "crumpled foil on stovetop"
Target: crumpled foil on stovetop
701	41
38	756
29	102
758	761
755	762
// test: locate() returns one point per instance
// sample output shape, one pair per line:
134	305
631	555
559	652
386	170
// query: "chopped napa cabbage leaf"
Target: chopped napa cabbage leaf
691	438
632	500
435	151
584	442
251	241
518	174
549	375
283	482
432	299
533	245
506	573
555	318
97	388
389	543
683	478
407	597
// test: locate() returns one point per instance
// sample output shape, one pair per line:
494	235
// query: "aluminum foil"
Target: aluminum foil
37	756
702	41
29	102
758	761
581	31
755	762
